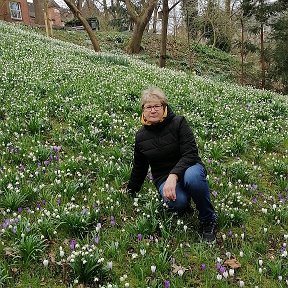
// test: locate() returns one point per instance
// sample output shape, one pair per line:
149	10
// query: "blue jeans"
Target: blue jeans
193	185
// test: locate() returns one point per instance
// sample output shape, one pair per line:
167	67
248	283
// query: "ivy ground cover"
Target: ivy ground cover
67	122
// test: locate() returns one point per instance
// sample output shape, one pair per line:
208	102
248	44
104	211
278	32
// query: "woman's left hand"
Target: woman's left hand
169	189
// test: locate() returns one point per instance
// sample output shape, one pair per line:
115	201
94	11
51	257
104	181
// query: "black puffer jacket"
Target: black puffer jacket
168	147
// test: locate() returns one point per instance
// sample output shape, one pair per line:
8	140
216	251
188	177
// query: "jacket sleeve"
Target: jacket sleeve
139	171
188	149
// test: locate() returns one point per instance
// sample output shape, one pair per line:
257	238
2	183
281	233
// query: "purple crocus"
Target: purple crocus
113	222
202	267
96	239
139	237
166	284
222	269
56	148
73	244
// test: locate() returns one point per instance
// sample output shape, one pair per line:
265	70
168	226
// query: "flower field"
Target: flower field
67	122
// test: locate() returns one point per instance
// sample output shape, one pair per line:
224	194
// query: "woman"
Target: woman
166	143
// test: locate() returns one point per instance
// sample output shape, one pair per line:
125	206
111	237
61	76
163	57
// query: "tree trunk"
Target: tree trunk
141	20
134	46
242	52
155	18
191	12
39	12
228	8
77	13
165	14
262	57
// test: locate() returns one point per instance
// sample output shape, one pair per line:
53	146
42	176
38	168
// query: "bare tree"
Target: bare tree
140	19
39	12
165	15
77	13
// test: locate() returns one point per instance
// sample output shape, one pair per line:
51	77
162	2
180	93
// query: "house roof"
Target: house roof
53	4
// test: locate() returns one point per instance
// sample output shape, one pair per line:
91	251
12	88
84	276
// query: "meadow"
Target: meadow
68	117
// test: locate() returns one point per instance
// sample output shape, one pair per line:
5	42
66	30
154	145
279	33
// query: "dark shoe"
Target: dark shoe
209	231
188	211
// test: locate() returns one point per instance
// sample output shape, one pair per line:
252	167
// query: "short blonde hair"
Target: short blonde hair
153	93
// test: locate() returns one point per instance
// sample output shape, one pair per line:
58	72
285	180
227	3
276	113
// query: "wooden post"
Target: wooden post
46	23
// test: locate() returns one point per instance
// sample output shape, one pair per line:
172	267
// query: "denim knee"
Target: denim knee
194	176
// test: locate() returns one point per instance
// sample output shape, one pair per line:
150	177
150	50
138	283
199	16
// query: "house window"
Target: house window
15	10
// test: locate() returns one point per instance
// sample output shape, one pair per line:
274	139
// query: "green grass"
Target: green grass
68	118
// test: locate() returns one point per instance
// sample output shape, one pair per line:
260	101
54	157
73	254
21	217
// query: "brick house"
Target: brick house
23	11
15	11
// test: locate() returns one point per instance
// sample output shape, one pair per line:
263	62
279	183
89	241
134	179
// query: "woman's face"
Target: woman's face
153	111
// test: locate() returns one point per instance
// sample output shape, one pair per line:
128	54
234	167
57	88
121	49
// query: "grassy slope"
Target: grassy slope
55	93
207	61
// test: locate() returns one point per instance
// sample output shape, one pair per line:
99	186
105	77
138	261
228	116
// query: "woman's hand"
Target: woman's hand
169	189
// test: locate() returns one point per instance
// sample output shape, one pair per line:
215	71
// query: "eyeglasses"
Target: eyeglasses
156	107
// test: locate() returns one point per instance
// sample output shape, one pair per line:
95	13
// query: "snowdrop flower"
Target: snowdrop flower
134	255
153	268
45	262
219	277
264	210
286	236
241	283
185	228
126	285
265	230
260	270
180	272
109	265
280	278
241	254
142	252
231	272
260	262
225	274
228	254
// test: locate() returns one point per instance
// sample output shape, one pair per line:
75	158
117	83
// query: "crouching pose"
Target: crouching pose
166	143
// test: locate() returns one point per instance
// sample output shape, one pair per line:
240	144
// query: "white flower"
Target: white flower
231	272
265	230
142	252
45	262
62	253
241	254
109	265
284	253
260	262
241	283
219	277
126	284
180	272
228	254
134	255
225	274
260	270
280	278
153	268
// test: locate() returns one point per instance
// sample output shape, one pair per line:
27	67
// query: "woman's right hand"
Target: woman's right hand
169	189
